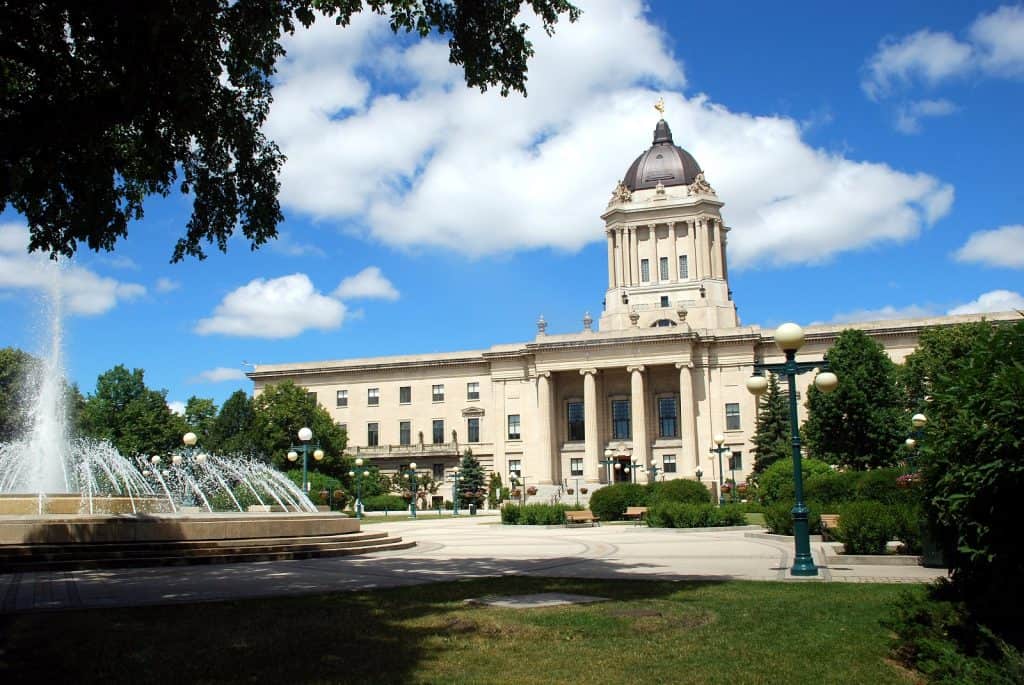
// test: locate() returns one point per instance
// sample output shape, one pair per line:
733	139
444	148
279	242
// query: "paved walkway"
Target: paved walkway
449	549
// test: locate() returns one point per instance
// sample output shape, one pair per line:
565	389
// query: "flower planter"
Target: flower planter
531	491
583	491
570	491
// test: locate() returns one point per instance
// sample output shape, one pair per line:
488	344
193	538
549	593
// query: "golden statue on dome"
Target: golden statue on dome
660	106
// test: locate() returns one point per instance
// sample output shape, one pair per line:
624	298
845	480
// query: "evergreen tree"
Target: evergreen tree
862	424
471	481
14	366
772	440
233	431
200	413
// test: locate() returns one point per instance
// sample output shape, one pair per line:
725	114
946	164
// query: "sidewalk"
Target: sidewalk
450	549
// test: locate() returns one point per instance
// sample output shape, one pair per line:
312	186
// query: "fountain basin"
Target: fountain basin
74	503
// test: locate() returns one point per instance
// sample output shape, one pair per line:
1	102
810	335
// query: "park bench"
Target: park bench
585	516
636	514
828	522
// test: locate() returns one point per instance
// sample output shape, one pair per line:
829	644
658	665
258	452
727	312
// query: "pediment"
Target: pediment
473	411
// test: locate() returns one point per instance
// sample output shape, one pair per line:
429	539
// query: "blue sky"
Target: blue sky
868	156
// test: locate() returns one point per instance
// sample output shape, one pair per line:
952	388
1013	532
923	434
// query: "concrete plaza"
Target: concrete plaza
450	549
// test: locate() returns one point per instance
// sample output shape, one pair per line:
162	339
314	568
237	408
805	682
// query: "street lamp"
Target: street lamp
305	435
608	462
653	469
699	474
790	338
518	481
414	483
719	440
455	490
358	475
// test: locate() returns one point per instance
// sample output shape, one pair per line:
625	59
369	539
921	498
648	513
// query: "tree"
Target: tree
772	441
134	418
14	366
939	351
280	411
862	424
103	104
471	481
200	414
233	431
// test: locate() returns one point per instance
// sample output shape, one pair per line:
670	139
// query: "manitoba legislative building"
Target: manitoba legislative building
637	395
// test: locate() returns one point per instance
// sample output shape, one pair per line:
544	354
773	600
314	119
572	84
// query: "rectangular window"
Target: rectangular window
514	466
668	463
372	434
342	398
645	270
405	394
621	420
736	461
663	268
372	397
684	268
405	432
437	393
668	425
344	427
576	423
472	391
732	416
473	430
664	300
438	472
311	396
513	427
438	431
576	466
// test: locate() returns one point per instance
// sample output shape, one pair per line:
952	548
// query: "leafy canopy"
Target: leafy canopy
280	411
103	104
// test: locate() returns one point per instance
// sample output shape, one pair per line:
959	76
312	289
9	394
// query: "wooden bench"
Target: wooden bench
828	522
585	516
636	514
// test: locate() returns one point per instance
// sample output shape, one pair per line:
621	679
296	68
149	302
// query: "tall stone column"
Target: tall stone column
716	252
637	402
673	253
611	260
694	260
591	433
545	390
634	255
721	246
619	258
688	418
652	236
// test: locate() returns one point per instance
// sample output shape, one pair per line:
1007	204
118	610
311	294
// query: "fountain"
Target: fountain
73	502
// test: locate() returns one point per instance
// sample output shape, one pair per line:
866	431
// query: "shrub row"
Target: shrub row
831	488
535	514
865	527
384	503
609	503
682	515
778	518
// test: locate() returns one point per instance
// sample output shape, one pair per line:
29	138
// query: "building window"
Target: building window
342	398
437	393
684	267
405	394
513	427
668	463
372	397
514	466
472	391
438	431
732	416
311	396
344	427
663	268
645	270
439	472
621	420
405	432
576	466
668	425
736	461
372	434
473	430
577	430
664	300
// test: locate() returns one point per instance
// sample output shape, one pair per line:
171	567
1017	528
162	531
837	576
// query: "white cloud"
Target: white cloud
438	164
368	283
219	375
83	292
886	313
177	407
993	301
1003	246
273	308
908	116
286	245
166	285
999	37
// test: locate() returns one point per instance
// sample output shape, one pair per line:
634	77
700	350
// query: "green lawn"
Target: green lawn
652	632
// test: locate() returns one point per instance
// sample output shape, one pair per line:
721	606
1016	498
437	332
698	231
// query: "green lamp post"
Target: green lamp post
455	490
732	469
653	469
608	463
518	481
359	474
719	441
918	422
305	435
414	483
789	337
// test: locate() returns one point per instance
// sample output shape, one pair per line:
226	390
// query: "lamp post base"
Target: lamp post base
803	568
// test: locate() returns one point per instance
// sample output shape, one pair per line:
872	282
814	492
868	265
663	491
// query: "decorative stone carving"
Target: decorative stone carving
621	194
634	318
681	312
700	186
588	321
659	189
542	326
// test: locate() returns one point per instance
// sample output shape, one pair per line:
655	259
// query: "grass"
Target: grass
755	519
652	632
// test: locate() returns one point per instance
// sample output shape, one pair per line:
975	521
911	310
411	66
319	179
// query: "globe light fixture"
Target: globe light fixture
918	420
176	460
189	439
359	461
318	454
156	459
910	443
789	337
293	455
305	434
201	458
826	381
757	385
719	440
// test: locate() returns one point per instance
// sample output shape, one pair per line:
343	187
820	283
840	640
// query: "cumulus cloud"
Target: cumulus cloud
432	163
176	407
273	308
166	285
83	292
886	313
287	245
993	301
999	38
368	283
908	116
1002	246
220	374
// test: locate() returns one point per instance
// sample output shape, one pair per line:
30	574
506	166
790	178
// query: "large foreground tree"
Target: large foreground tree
105	103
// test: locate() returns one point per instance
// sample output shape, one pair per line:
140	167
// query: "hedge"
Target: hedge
535	514
865	527
778	518
678	490
685	515
385	503
609	503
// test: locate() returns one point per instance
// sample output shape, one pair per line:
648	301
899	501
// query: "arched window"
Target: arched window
661	323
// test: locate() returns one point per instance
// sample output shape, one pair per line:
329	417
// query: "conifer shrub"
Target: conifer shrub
609	503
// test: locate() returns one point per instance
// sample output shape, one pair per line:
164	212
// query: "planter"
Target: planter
531	491
516	494
570	491
583	491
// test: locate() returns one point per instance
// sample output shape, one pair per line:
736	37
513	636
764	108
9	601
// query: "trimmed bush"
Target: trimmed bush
535	514
686	515
865	527
775	485
907	522
679	490
879	485
385	503
833	487
609	503
778	518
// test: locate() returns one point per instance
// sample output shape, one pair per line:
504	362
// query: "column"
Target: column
688	418
716	252
619	260
545	389
691	231
637	404
591	434
627	255
652	236
673	253
702	247
722	230
611	260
